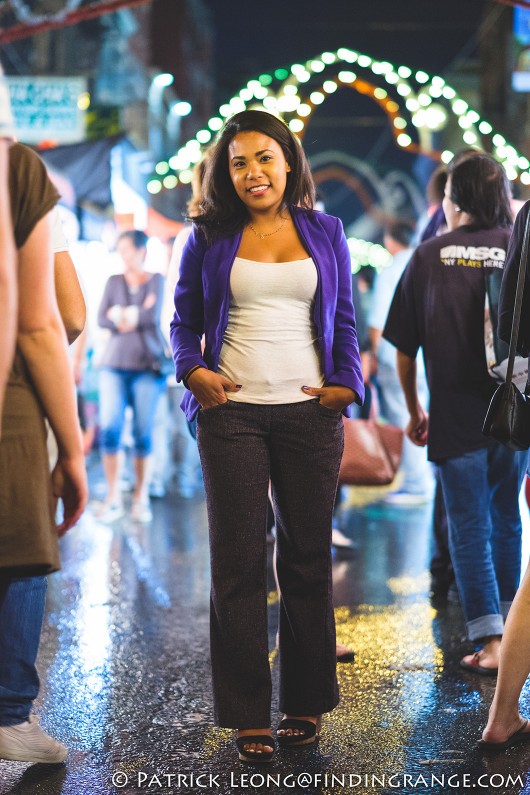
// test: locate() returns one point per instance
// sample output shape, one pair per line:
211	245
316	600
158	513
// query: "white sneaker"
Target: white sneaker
110	512
406	498
157	490
340	541
141	512
27	742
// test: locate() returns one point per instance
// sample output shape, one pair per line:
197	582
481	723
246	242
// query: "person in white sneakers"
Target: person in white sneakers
130	372
40	384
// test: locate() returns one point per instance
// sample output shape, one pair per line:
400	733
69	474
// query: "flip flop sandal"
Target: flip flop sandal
518	737
475	667
346	656
309	732
250	755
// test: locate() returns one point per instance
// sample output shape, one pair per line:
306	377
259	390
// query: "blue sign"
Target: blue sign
521	24
49	108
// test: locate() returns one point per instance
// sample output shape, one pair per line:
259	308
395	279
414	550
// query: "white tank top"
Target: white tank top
270	344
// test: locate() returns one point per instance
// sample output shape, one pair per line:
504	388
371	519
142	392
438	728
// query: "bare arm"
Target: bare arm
78	355
371	364
418	426
42	341
8	285
375	335
69	295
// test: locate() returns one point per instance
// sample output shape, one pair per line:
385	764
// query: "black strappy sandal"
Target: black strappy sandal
256	755
309	732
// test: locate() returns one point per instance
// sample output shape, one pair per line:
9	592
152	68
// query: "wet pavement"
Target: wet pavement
124	664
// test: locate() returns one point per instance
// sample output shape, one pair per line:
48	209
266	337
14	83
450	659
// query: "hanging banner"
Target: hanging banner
521	30
49	108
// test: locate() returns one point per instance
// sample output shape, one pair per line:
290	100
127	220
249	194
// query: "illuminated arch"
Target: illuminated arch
415	103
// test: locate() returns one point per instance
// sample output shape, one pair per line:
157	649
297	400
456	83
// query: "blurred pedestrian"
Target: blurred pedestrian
40	385
432	223
184	450
130	310
268	281
71	304
439	306
69	294
416	486
441	567
505	725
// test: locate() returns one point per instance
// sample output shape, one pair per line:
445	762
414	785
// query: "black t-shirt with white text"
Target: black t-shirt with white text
439	306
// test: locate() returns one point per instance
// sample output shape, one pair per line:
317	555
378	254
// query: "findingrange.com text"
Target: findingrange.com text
253	780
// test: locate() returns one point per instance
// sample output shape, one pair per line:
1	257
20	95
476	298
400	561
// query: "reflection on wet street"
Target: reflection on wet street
124	666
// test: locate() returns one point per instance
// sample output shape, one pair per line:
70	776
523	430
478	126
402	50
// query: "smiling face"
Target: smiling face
258	170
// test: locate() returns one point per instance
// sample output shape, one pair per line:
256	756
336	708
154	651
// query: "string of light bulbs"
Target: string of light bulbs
415	103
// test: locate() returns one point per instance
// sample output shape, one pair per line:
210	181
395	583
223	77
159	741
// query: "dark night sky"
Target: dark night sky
253	37
439	37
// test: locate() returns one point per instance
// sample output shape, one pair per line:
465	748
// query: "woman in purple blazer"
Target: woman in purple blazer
267	280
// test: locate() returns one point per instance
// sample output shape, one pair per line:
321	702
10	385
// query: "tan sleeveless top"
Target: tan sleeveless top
28	540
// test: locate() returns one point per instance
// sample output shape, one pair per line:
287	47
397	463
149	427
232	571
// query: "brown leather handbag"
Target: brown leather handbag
372	453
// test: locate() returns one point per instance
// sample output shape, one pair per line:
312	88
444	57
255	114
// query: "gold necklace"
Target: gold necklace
268	234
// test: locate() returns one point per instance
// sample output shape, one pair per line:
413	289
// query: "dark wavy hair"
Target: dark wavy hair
138	238
193	206
480	187
221	211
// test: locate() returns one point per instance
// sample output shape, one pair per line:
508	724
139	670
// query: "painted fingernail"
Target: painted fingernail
306	387
238	386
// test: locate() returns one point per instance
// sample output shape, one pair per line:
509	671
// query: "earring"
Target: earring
457	209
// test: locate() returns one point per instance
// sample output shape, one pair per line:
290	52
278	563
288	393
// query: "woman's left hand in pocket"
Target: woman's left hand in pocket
332	397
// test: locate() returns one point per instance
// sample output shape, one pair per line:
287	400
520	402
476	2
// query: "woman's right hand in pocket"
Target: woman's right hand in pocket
210	388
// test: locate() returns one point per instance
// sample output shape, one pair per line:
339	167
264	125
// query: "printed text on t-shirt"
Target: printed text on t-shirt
473	256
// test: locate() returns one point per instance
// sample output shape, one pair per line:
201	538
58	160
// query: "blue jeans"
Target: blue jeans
184	444
481	492
121	388
21	611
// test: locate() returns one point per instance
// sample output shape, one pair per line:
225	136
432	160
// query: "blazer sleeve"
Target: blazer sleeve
187	326
346	357
509	285
361	325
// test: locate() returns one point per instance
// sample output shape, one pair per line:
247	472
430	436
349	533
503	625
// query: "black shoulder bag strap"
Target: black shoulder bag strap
519	303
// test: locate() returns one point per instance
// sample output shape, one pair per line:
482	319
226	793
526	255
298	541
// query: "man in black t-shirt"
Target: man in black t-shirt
439	306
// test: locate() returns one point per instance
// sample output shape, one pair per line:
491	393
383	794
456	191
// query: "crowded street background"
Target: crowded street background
264	502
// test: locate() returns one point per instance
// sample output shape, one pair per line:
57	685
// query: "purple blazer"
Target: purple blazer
202	298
